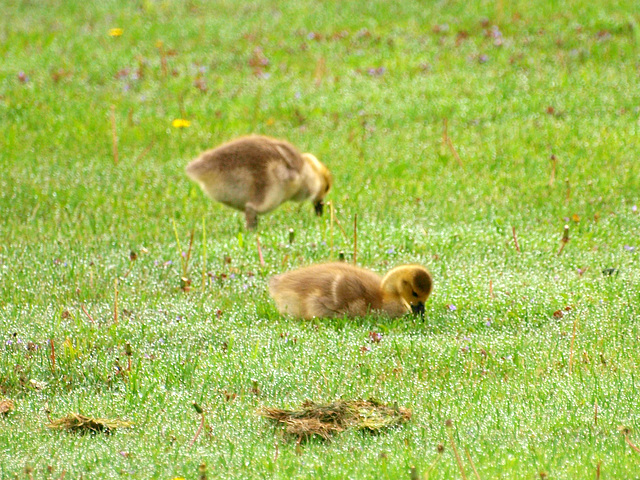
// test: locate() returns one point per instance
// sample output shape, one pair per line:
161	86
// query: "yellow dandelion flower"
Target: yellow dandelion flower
180	123
159	44
271	121
115	32
178	478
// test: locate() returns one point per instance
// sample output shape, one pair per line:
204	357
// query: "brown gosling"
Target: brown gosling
340	289
255	174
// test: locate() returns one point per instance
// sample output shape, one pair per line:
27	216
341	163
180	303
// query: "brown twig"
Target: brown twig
204	255
491	294
133	256
163	60
625	432
259	251
445	135
515	238
128	351
114	135
52	356
573	339
355	238
554	163
62	475
320	71
175	231
449	425
435	462
568	194
473	467
145	151
199	410
344	234
598	471
185	266
183	112
455	153
87	314
331	229
363	123
447	140
565	239
414	475
631	444
115	301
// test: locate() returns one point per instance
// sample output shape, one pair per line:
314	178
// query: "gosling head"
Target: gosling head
412	283
323	184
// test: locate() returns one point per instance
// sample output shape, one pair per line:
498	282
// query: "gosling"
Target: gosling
255	174
340	289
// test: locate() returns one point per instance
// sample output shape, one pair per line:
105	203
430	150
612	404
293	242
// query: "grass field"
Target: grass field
532	354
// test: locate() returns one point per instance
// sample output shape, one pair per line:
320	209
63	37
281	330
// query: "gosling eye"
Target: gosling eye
414	294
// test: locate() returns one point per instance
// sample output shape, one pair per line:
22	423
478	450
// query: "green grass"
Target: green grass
499	366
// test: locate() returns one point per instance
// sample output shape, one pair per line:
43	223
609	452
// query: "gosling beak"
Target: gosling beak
318	206
418	309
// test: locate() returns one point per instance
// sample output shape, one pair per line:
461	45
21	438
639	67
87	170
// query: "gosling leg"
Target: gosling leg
252	218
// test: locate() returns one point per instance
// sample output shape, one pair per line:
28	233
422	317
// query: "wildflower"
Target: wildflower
451	308
376	72
115	32
375	337
181	123
629	248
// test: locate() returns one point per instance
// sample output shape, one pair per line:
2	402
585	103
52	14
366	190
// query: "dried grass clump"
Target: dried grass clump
6	406
80	424
327	420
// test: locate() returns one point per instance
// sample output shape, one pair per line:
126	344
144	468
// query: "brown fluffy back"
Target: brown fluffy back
253	153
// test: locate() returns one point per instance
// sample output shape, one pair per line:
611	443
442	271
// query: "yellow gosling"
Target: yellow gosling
340	289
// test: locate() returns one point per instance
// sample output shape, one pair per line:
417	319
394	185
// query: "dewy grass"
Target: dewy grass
541	107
